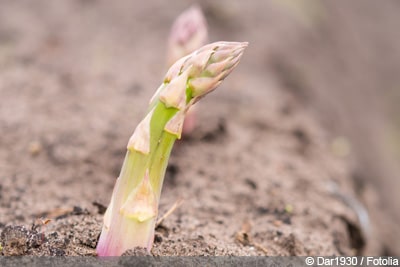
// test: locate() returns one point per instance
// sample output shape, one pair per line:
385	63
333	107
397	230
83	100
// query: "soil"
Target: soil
257	177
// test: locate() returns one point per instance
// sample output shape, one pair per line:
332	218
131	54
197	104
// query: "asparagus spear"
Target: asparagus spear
188	33
130	218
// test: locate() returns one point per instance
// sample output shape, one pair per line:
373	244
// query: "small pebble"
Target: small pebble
35	147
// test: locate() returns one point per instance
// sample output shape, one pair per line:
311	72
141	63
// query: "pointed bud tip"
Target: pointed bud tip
230	45
241	46
238	52
239	49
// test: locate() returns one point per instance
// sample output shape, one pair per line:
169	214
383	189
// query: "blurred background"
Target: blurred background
343	60
344	63
339	59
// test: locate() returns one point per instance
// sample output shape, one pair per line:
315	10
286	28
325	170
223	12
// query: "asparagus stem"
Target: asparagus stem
131	216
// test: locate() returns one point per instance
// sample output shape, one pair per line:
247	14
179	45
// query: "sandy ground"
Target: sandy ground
257	177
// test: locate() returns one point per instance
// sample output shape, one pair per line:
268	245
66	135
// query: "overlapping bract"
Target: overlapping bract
196	75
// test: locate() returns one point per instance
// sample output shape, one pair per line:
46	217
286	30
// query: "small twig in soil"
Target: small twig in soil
60	213
170	211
